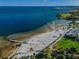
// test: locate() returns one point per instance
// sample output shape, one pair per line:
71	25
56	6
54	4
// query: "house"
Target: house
73	32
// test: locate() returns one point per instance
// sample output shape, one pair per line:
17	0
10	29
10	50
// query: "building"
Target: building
73	32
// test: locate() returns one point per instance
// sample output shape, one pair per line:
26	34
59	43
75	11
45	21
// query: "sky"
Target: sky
39	2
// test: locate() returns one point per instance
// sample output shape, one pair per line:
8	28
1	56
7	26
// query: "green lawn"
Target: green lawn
64	15
67	43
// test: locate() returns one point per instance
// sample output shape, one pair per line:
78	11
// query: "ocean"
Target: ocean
16	19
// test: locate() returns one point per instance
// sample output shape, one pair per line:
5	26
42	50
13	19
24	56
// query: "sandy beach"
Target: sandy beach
9	47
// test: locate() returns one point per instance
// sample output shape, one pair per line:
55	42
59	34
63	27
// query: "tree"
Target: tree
47	53
40	55
73	16
23	57
72	50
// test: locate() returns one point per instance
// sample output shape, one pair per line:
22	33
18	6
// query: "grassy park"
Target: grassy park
67	43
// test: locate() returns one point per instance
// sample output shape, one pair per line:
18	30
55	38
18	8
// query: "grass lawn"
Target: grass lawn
65	15
67	43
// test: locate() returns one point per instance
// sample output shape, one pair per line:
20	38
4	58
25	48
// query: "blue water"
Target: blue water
23	19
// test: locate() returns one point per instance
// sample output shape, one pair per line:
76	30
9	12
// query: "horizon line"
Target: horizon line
38	5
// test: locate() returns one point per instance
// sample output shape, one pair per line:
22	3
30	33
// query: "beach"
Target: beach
9	46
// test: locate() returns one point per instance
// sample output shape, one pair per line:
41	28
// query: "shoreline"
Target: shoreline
26	36
9	46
